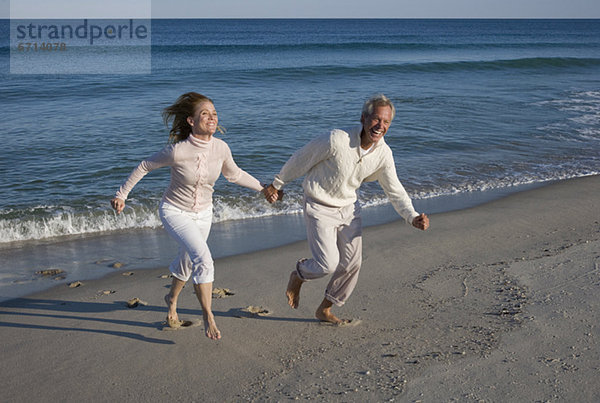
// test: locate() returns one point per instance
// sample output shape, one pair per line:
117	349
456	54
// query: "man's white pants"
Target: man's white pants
190	230
335	240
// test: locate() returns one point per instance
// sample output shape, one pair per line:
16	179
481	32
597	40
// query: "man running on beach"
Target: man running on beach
335	165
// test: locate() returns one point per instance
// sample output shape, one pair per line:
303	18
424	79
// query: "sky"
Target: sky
300	8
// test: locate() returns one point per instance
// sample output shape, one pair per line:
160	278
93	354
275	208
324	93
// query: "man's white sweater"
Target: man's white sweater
335	169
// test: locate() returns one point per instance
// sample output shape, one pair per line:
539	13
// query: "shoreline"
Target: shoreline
88	257
492	303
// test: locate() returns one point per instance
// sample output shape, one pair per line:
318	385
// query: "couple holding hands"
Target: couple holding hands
334	165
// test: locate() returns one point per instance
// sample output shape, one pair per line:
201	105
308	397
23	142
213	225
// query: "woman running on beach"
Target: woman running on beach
196	159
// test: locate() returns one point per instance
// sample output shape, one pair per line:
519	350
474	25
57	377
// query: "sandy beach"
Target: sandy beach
498	302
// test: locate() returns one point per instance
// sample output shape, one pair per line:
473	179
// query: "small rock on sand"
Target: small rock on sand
75	284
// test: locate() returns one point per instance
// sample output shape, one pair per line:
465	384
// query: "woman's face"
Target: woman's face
205	119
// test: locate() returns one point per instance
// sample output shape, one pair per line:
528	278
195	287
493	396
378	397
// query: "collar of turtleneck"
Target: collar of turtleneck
197	142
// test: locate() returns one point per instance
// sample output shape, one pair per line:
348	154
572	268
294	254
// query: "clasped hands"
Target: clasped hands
272	194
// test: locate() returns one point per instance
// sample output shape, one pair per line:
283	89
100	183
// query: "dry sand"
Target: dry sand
495	303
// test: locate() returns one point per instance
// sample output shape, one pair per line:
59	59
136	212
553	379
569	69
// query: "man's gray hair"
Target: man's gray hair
375	101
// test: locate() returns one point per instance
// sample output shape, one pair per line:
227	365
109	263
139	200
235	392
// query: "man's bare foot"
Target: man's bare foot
325	315
293	290
210	326
172	306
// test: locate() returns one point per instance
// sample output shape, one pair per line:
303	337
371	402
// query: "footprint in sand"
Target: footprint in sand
344	323
127	273
222	293
75	284
49	272
183	324
135	302
252	311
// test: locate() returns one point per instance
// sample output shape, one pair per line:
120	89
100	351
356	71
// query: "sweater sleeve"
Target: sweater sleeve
158	160
303	160
236	175
388	179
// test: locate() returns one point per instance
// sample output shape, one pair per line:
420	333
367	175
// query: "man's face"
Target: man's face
376	125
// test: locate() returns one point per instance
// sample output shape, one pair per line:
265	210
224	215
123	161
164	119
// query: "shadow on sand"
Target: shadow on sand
61	311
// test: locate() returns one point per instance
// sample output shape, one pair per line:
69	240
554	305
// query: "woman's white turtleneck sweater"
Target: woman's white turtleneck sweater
195	167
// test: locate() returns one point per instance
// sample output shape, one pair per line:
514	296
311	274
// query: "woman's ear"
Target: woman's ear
190	121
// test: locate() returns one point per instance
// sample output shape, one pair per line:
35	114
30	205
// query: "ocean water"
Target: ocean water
484	107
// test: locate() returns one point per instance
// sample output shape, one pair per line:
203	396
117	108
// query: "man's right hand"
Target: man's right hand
421	222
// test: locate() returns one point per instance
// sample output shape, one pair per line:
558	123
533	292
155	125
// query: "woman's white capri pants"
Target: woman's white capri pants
190	230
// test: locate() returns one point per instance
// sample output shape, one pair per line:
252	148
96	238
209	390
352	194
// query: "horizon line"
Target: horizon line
308	18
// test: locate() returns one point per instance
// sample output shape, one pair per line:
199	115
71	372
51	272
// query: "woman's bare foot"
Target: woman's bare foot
171	301
210	326
172	310
293	290
204	294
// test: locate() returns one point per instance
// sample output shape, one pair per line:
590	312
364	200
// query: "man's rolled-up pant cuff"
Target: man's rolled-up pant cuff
334	300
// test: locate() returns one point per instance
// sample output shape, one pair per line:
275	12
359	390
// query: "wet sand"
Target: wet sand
493	303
